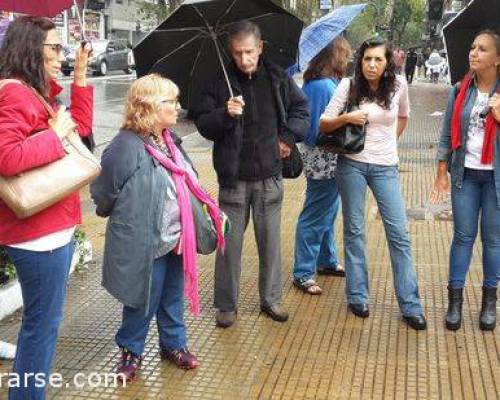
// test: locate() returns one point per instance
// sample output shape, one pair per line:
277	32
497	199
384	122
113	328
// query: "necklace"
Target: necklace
158	140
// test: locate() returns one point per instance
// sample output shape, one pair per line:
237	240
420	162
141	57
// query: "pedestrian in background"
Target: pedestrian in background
469	149
411	63
383	102
399	60
251	132
40	246
143	262
315	247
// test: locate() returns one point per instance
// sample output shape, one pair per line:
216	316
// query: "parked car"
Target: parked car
106	55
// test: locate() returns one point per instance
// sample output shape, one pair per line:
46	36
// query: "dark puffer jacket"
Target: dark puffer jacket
215	124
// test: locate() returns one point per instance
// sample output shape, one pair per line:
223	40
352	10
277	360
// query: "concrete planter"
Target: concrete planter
10	294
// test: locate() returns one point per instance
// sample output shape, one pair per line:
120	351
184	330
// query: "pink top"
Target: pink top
381	136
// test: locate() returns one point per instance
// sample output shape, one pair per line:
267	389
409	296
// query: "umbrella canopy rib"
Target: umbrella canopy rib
177	49
217	49
193	29
226	12
220	28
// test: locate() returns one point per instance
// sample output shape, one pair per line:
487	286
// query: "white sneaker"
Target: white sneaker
7	350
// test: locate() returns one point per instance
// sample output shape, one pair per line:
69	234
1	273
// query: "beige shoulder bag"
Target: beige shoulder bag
34	190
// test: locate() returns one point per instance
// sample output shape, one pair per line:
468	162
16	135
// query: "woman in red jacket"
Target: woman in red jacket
40	246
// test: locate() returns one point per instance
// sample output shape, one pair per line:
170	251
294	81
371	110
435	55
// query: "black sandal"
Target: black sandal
308	286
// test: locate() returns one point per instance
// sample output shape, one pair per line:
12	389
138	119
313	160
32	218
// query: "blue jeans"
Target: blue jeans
315	233
43	276
166	303
476	196
353	178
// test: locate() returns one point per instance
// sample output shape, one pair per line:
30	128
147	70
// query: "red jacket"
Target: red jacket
22	115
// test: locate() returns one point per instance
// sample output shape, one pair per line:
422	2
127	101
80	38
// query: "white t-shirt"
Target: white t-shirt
381	132
48	242
475	134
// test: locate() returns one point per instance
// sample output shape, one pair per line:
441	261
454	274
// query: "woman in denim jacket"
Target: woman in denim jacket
470	149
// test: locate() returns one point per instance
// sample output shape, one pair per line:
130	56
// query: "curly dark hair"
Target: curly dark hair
21	54
330	62
361	91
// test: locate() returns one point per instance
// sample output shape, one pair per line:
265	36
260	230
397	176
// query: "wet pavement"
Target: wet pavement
323	351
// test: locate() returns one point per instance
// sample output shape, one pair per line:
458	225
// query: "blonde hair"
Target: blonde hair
144	99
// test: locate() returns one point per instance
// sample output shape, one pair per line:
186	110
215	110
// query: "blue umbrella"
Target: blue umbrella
317	35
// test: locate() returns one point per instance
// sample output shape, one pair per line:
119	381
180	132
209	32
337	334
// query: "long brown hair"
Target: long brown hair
331	62
21	55
388	83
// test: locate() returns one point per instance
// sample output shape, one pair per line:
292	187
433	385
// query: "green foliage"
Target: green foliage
407	23
81	238
152	13
404	27
7	269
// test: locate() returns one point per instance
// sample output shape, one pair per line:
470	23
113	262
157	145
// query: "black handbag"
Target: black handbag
348	139
292	165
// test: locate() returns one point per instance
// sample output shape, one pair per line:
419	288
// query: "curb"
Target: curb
11	298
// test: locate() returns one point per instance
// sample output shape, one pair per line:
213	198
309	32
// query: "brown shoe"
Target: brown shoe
277	312
180	357
129	365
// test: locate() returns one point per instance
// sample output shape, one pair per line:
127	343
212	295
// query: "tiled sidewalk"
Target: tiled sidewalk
322	352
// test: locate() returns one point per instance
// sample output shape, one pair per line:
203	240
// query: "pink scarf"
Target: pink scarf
185	183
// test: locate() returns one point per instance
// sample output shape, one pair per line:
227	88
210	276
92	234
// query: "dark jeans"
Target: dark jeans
166	303
43	276
475	201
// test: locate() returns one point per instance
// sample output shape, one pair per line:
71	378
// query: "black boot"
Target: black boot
454	313
488	316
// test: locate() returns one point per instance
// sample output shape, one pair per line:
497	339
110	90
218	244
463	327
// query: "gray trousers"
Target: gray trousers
264	199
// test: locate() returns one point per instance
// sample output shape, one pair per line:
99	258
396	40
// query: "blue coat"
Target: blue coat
456	158
319	93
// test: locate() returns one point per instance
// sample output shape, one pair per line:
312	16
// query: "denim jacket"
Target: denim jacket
456	158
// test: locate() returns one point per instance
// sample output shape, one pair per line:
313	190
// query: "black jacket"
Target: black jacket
215	124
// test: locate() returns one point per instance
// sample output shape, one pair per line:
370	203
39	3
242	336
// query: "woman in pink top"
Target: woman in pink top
382	97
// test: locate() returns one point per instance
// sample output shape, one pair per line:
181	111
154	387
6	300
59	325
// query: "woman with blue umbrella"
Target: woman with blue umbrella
315	235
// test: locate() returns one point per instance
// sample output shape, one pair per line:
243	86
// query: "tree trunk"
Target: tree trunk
388	14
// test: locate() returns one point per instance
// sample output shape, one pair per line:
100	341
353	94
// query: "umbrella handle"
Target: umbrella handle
80	21
221	61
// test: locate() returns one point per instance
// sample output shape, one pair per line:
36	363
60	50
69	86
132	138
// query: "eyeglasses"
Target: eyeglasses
57	47
172	102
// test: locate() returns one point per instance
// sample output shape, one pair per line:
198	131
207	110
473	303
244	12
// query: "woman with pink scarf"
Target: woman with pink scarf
150	250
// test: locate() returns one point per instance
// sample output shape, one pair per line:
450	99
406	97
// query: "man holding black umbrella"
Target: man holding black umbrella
252	132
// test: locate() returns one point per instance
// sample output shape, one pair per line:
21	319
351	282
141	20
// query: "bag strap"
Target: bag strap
348	104
42	100
45	103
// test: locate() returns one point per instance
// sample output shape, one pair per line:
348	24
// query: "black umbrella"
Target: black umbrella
459	33
190	46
